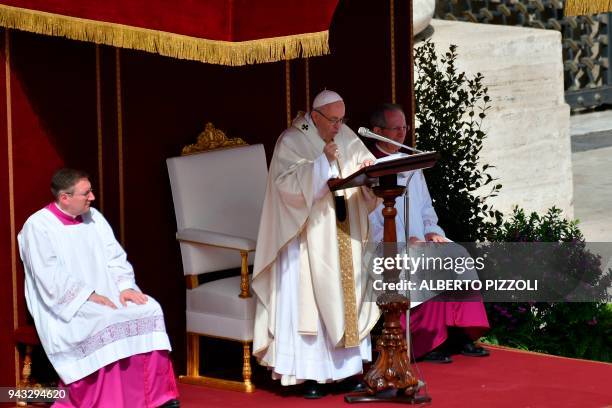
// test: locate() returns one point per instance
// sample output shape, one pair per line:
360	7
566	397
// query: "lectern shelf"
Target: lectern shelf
369	175
391	372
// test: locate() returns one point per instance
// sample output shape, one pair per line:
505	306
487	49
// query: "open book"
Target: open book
388	166
391	157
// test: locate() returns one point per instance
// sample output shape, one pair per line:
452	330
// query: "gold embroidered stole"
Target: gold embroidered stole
347	274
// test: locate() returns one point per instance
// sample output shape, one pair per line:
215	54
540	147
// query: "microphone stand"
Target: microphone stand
407	241
365	132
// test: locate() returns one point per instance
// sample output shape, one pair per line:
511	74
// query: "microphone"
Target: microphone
365	132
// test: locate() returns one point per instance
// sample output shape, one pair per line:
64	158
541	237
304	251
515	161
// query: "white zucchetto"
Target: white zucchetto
325	97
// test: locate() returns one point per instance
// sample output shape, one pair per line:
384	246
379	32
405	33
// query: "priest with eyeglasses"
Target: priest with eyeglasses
438	328
106	339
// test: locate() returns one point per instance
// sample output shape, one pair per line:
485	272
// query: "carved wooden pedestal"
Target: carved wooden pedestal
390	379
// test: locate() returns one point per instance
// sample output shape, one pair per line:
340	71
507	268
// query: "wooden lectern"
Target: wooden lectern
390	378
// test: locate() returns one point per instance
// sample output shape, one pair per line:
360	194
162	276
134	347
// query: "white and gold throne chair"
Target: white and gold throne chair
218	187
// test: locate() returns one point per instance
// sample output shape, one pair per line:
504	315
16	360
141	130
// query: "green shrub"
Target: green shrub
450	108
582	330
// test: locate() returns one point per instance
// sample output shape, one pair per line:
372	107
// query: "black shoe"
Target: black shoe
438	357
313	390
351	384
173	403
472	350
360	386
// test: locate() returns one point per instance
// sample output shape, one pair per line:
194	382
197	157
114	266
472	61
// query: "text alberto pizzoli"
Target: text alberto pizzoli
458	264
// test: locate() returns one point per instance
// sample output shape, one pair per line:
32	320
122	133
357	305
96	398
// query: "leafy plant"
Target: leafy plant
582	330
450	108
551	227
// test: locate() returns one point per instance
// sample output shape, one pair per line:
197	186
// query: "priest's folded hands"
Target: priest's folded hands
133	296
433	237
127	295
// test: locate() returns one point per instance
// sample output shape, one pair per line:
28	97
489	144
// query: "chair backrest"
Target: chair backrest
220	191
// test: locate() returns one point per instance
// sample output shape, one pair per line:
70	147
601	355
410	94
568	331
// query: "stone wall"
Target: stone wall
528	123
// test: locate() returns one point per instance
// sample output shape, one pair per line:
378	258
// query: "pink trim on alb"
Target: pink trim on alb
64	218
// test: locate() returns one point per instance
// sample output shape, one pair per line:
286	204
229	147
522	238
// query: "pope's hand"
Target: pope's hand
433	237
366	163
133	296
101	300
331	152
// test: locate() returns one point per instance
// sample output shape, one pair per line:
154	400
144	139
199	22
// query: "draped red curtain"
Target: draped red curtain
224	20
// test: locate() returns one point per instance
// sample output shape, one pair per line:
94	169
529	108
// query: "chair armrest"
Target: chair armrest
218	239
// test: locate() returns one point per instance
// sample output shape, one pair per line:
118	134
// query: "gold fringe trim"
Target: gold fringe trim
165	43
584	7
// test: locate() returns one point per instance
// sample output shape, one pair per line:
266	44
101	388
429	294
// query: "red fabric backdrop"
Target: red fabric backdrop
225	20
165	103
7	364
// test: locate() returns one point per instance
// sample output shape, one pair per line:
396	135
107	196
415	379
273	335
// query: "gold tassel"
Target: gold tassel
583	7
165	43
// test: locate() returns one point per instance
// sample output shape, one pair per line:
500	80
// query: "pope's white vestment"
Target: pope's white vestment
64	264
300	321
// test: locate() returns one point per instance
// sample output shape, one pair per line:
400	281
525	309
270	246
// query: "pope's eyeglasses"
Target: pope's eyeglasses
333	121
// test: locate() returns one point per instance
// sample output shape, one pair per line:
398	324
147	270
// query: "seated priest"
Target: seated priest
437	328
104	337
313	314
